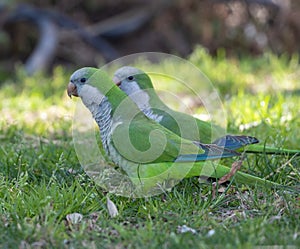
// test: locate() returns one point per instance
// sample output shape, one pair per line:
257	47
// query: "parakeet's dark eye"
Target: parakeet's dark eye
130	77
83	80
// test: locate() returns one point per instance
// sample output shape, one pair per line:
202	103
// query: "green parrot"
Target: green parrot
147	152
137	84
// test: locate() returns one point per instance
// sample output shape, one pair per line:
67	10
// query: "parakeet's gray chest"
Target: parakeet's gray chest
107	124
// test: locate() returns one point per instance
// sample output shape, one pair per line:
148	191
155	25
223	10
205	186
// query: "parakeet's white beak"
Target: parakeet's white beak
72	90
116	80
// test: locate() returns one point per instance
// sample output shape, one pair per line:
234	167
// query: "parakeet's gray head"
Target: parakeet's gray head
78	79
80	86
126	72
131	80
136	84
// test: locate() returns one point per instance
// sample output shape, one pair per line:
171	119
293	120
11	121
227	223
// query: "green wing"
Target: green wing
188	127
182	124
149	141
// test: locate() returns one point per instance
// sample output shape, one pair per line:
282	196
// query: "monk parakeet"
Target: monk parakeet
148	152
137	84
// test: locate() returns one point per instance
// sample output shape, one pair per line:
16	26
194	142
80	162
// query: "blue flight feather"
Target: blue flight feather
232	142
211	151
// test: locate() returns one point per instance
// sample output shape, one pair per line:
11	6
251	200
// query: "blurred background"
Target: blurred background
43	34
248	49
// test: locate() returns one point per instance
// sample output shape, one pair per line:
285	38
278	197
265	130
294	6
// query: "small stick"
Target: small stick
234	168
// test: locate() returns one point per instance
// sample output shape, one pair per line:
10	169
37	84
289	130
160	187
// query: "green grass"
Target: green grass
41	180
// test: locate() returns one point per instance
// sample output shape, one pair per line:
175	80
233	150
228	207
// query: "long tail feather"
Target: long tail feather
255	148
218	170
152	175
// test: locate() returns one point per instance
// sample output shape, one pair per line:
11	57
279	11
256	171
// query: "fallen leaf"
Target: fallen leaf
234	168
74	218
185	229
112	209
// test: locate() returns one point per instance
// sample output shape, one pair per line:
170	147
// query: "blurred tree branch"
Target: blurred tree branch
86	32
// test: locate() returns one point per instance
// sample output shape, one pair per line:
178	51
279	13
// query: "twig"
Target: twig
234	168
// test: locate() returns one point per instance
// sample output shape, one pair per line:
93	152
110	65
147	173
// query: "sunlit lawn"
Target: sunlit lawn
41	180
